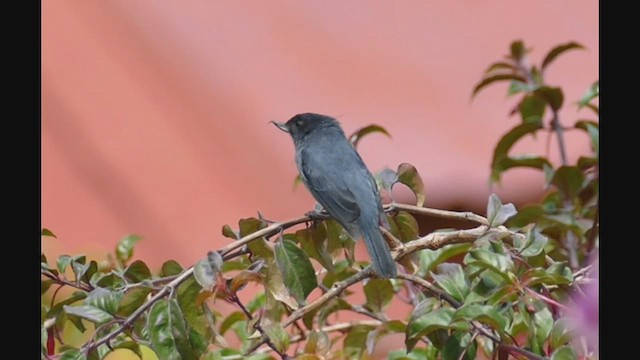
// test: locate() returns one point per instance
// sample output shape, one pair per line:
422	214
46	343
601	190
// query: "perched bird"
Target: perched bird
338	179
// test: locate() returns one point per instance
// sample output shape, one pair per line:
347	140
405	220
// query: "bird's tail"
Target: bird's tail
378	249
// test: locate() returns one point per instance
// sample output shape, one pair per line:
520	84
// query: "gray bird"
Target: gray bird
338	179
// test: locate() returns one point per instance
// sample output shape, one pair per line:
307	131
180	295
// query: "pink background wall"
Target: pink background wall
155	113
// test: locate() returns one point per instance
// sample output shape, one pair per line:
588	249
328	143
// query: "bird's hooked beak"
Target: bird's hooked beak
281	126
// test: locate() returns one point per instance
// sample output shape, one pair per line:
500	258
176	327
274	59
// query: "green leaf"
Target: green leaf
527	215
132	300
544	322
334	305
62	263
297	271
498	213
552	95
47	232
407	226
506	143
104	299
76	321
379	293
45	285
88	312
569	181
257	303
110	280
500	264
258	247
561	333
73	354
313	242
275	286
500	65
240	280
423	325
429	259
394	326
506	163
516	87
360	133
231	319
564	353
228	232
317	343
88	270
355	341
560	273
536	75
385	179
592	93
124	249
408	175
518	51
486	314
452	280
532	109
171	268
168	332
335	237
137	272
593	129
415	354
456	345
193	312
585	162
535	244
551	55
56	310
129	345
495	78
78	266
206	270
277	335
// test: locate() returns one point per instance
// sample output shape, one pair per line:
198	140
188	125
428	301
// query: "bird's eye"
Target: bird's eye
298	123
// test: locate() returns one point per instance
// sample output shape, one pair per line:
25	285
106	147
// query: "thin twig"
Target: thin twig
258	327
430	288
393	241
342	327
466	348
61	281
546	299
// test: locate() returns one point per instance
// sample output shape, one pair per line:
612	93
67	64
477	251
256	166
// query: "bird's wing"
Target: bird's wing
330	188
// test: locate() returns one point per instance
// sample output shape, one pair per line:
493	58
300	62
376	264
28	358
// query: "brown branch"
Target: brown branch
336	289
445	214
437	240
269	230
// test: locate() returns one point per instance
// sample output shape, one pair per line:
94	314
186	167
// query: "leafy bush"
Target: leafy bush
500	288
